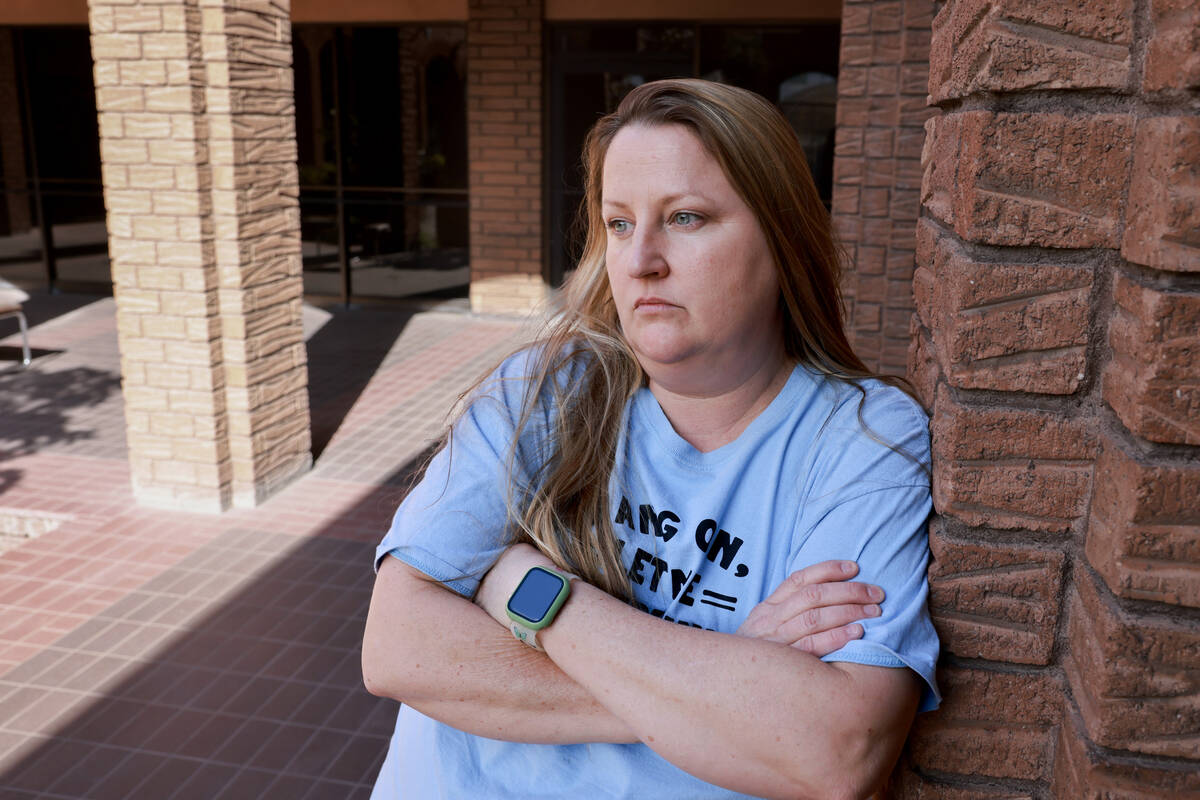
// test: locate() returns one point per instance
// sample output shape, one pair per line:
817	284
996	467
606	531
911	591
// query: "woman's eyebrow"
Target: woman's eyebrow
668	200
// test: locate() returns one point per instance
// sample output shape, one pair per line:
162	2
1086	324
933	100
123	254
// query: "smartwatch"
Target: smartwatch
536	601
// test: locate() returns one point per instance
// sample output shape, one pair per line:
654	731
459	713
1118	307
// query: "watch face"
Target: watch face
535	595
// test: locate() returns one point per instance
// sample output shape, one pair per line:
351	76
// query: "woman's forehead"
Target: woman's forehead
666	161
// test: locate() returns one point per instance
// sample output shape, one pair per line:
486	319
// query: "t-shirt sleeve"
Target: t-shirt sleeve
870	504
453	525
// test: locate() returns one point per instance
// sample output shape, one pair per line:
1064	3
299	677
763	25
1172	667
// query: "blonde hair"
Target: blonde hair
564	509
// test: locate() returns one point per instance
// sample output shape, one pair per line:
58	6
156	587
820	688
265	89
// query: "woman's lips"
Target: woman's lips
652	304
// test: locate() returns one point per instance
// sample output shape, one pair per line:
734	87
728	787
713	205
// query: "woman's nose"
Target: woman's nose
646	257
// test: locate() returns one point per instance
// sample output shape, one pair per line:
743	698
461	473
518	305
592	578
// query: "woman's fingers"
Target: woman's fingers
812	602
814	621
823	572
825	642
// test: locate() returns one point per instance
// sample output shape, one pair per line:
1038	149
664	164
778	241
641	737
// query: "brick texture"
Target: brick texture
504	91
1135	678
1163	217
1003	326
1142	530
199	157
993	723
1056	341
1173	49
1008	45
1153	380
877	169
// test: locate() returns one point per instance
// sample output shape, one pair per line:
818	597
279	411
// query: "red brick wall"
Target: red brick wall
504	129
1058	345
877	171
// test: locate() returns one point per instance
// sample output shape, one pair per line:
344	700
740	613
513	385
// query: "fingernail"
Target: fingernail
847	567
875	593
872	610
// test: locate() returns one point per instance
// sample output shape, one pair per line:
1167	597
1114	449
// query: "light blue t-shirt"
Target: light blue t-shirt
706	537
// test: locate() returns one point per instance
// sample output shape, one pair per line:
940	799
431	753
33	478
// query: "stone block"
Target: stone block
1041	179
168	376
1013	45
128	201
1010	327
1162	228
939	160
149	176
119	98
137	19
1153	379
123	151
166	423
163	326
1144	531
1134	676
1173	50
993	723
143	72
147	126
1084	772
116	46
173	45
1010	468
992	601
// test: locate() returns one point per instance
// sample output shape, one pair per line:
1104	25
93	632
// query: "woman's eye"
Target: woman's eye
618	226
685	218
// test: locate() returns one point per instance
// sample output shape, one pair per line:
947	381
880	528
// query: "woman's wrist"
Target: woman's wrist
504	576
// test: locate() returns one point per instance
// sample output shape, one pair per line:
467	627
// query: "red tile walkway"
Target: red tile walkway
156	654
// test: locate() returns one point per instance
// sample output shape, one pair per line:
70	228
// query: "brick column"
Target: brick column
504	145
199	158
877	169
1058	344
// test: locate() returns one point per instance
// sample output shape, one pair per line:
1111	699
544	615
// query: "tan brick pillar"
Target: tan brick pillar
504	145
1058	343
199	157
877	169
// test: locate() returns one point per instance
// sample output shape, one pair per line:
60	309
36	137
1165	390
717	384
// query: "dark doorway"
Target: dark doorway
381	135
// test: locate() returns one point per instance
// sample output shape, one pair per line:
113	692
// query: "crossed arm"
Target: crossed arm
755	712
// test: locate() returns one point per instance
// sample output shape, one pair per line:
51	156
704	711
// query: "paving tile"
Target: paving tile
358	762
282	747
125	777
199	645
170	774
44	712
206	782
246	741
78	777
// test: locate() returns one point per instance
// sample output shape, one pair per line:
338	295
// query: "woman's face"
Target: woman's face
690	270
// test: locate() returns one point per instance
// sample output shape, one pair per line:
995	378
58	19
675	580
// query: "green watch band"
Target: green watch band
536	601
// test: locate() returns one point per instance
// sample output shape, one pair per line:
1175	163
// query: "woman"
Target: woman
694	438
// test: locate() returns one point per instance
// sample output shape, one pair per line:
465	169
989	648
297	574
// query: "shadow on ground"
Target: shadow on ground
343	356
36	410
256	696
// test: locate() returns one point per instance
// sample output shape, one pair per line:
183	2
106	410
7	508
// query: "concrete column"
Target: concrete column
504	145
198	147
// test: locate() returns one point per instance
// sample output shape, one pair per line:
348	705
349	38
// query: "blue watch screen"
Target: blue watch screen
535	595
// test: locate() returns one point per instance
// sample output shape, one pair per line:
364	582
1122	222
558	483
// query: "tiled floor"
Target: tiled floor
155	654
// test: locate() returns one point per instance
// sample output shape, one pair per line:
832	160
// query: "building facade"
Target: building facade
1022	175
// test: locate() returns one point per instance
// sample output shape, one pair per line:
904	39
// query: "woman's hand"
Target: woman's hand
815	609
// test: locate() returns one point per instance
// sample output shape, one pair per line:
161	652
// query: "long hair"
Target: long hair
564	508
